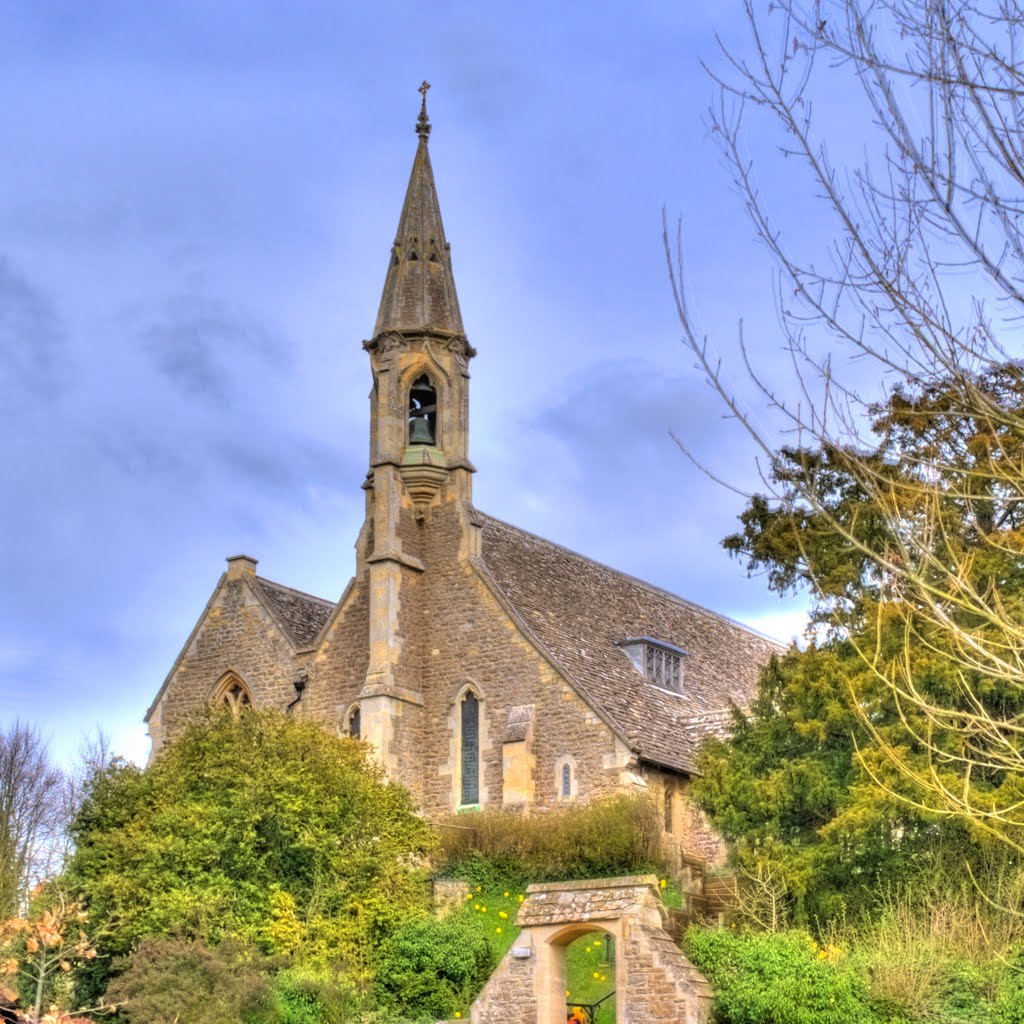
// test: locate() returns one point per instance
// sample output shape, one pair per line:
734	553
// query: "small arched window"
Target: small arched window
354	723
422	411
565	777
669	816
232	693
469	759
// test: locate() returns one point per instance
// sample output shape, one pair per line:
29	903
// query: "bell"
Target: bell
420	432
422	391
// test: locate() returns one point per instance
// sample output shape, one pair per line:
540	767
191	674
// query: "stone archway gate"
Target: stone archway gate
654	981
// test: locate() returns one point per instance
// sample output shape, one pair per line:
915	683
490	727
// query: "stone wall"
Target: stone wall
236	634
464	637
660	983
509	997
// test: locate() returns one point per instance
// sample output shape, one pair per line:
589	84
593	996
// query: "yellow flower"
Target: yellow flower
476	906
498	930
469	895
566	993
587	950
521	898
663	883
505	894
479	887
502	914
597	975
604	977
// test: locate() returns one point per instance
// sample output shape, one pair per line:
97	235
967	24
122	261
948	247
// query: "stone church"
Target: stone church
488	667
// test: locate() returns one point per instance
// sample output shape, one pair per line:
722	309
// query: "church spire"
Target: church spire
419	290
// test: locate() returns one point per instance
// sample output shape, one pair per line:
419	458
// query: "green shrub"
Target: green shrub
433	968
264	828
170	980
781	978
1010	999
307	996
620	835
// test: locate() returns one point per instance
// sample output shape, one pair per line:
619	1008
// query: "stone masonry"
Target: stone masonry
653	979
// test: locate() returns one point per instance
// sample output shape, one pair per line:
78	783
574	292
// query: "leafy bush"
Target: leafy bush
260	827
433	968
620	835
169	980
316	997
1010	999
780	978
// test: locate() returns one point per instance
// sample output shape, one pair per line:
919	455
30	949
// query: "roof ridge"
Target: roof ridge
295	590
633	579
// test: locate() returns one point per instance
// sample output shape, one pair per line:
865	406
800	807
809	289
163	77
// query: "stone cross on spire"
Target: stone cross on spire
422	123
419	290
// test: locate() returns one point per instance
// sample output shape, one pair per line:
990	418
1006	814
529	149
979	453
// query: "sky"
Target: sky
197	203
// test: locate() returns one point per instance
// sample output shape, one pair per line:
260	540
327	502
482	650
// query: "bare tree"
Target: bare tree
922	282
31	814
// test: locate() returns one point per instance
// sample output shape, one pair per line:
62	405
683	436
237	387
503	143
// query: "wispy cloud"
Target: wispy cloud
201	346
31	337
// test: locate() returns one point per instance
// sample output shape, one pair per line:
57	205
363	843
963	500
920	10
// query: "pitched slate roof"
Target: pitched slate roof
302	616
578	610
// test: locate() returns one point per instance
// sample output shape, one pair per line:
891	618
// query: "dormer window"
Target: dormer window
660	662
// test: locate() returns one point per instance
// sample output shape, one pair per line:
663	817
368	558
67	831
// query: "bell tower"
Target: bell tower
419	418
419	353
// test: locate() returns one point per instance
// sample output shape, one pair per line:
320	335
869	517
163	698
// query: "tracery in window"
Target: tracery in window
233	693
469	754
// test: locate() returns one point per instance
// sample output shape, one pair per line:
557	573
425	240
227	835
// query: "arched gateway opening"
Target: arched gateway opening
588	969
646	977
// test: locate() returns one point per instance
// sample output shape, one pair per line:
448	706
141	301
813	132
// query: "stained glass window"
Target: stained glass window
470	761
566	782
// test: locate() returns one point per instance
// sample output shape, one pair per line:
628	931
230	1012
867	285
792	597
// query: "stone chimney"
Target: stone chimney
241	565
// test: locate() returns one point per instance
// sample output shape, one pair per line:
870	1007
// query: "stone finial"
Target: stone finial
241	565
422	122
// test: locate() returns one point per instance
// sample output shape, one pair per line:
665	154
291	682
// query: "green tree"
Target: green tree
258	827
912	275
808	801
834	785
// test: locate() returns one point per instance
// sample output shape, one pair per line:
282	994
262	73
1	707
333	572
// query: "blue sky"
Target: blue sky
197	203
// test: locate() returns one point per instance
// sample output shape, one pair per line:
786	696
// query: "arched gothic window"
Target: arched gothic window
422	411
354	724
566	781
233	693
469	755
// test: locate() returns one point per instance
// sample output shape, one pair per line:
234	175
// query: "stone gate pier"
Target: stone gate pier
654	981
